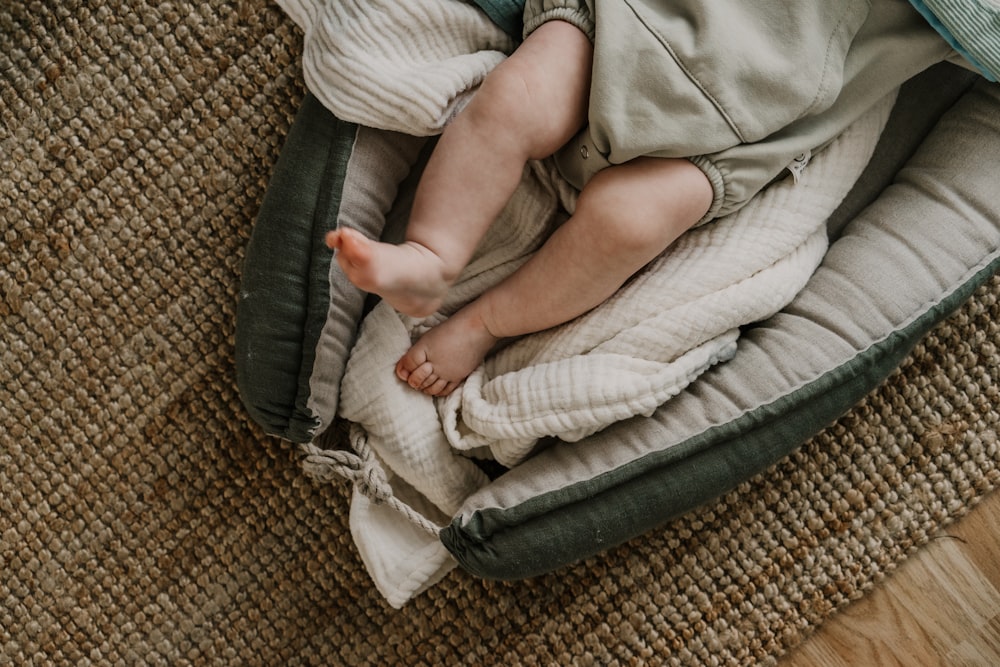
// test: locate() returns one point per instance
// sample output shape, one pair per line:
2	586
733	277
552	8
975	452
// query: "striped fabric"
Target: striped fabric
972	27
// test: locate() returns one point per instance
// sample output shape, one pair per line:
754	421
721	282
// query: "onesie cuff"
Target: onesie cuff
718	182
573	13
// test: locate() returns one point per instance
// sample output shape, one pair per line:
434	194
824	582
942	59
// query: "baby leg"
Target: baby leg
528	107
626	216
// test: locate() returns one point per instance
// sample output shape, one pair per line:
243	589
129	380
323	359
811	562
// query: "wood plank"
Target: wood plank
941	607
981	648
978	530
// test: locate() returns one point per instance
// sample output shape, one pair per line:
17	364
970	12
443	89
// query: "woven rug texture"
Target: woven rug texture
145	520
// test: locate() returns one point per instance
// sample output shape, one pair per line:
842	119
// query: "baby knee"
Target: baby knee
624	226
502	98
530	105
647	201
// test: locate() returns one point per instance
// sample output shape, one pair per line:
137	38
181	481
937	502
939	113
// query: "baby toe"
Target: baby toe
422	376
438	388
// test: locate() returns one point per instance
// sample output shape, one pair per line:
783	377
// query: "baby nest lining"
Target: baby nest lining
676	319
625	358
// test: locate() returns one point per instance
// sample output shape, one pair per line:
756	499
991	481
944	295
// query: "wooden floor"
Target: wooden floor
941	607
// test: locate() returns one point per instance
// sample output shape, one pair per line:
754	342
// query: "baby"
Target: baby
645	195
527	108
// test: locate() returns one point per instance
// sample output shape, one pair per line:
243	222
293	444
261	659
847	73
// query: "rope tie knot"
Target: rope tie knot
362	468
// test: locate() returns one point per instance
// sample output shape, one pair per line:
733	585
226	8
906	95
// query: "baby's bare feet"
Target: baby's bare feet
446	355
409	276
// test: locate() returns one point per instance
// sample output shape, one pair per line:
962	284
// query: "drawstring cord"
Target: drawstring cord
364	471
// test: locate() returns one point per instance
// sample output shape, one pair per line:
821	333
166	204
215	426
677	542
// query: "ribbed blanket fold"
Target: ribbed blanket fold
403	66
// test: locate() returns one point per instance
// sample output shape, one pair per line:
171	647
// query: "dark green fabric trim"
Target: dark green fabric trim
508	14
558	528
284	295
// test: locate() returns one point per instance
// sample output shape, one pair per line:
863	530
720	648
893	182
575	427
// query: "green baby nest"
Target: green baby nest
916	235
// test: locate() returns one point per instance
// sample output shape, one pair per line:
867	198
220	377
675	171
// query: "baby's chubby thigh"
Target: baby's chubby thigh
640	207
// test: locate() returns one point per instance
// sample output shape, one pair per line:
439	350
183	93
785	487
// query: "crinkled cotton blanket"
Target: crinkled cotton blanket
409	67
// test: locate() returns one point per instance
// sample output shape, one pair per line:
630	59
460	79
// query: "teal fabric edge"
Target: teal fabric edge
943	30
508	14
285	290
562	527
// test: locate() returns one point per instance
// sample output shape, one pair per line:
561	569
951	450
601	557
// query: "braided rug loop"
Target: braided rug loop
145	521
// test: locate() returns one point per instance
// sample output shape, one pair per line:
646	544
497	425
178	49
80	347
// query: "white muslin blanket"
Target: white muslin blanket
409	67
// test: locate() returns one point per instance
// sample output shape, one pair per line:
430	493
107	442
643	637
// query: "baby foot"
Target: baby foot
409	276
443	357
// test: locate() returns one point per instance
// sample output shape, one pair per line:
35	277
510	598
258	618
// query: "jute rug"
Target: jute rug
145	520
